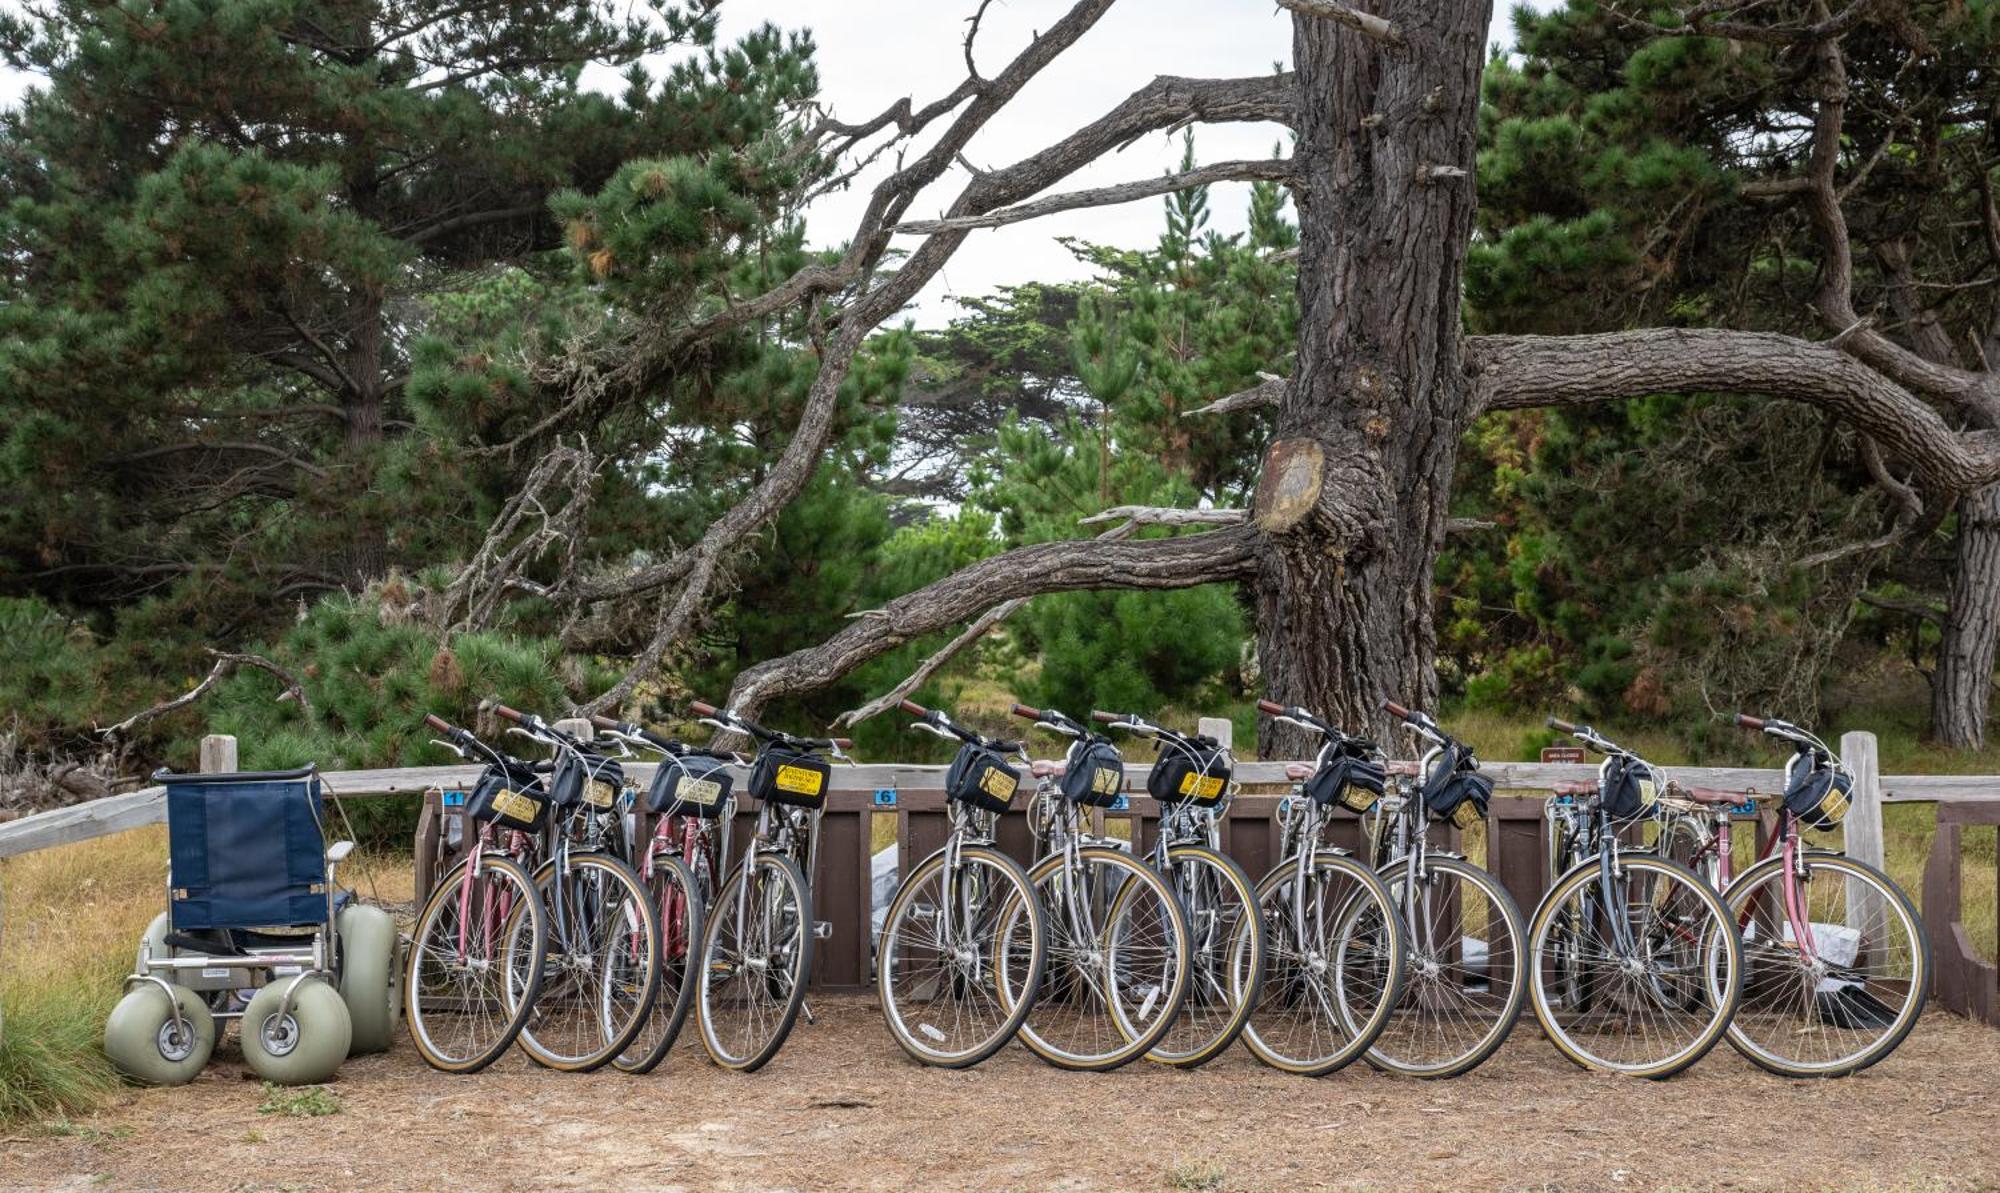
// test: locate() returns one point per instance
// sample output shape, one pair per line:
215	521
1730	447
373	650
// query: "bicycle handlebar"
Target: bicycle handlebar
1560	725
1271	708
438	723
1396	710
1105	718
914	709
1749	722
702	708
512	714
1023	710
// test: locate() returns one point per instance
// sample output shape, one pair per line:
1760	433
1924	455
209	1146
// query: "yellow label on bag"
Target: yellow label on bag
1199	786
1105	780
1647	795
599	794
998	784
1833	809
705	792
515	806
799	780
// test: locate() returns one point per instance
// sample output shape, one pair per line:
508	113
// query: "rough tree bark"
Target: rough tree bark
1961	691
1357	480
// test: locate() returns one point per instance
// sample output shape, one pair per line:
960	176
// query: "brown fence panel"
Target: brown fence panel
1961	980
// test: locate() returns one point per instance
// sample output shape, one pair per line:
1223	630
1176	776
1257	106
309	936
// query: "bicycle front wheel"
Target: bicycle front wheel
756	953
1634	972
938	966
1466	980
1835	984
670	888
602	969
1117	969
462	1015
1226	955
1334	970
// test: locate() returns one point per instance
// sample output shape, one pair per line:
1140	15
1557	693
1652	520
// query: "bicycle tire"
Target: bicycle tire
560	1013
1293	970
1195	1039
951	983
1423	982
417	990
785	988
676	897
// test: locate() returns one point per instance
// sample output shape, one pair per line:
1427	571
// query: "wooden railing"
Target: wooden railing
1515	849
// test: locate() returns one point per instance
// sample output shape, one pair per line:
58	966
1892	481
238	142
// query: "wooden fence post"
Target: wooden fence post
218	754
1863	826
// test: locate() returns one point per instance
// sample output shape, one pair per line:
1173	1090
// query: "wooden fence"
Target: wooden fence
1516	843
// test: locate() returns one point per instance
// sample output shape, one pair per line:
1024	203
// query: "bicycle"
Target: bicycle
1337	951
456	999
1465	982
680	862
1117	966
1191	782
601	971
1636	963
756	946
938	966
1837	965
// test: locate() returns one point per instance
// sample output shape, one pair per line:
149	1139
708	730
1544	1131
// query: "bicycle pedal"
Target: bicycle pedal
822	929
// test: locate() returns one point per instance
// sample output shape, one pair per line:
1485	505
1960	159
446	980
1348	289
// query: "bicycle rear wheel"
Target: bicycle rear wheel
1846	996
937	968
756	955
1334	965
602	968
1117	969
671	890
456	1000
1466	979
1642	985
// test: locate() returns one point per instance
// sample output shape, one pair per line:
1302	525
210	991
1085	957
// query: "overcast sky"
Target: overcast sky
872	52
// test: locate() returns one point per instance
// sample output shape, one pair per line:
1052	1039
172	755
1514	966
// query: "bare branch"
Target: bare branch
225	664
1262	170
1132	517
1362	22
1928	610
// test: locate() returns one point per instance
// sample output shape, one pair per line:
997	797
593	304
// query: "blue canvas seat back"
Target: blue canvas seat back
247	849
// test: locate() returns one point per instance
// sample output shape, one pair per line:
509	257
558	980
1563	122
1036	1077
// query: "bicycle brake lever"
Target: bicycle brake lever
454	747
927	727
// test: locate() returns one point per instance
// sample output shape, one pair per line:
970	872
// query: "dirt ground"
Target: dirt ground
841	1108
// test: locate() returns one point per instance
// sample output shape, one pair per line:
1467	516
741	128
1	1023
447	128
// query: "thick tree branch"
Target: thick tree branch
1516	372
1268	392
1068	566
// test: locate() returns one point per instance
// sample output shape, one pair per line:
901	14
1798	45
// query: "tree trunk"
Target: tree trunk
1961	692
1356	485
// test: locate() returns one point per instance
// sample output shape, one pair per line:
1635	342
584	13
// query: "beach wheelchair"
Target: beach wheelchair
255	930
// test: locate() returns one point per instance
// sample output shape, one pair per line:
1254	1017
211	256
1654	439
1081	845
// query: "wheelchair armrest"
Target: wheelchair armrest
337	852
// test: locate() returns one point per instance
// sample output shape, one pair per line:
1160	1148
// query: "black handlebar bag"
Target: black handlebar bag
1350	779
510	797
690	785
1455	794
586	779
1194	772
786	775
1094	773
1627	791
1818	795
981	778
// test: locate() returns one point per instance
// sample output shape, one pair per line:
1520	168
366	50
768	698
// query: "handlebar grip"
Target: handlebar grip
914	709
844	743
437	722
600	721
702	708
1107	718
1749	722
509	713
1272	707
1022	710
1557	723
1396	710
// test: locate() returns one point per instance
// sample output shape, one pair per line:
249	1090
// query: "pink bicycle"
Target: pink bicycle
1836	963
471	932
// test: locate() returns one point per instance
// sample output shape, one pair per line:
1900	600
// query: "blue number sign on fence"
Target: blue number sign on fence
885	797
